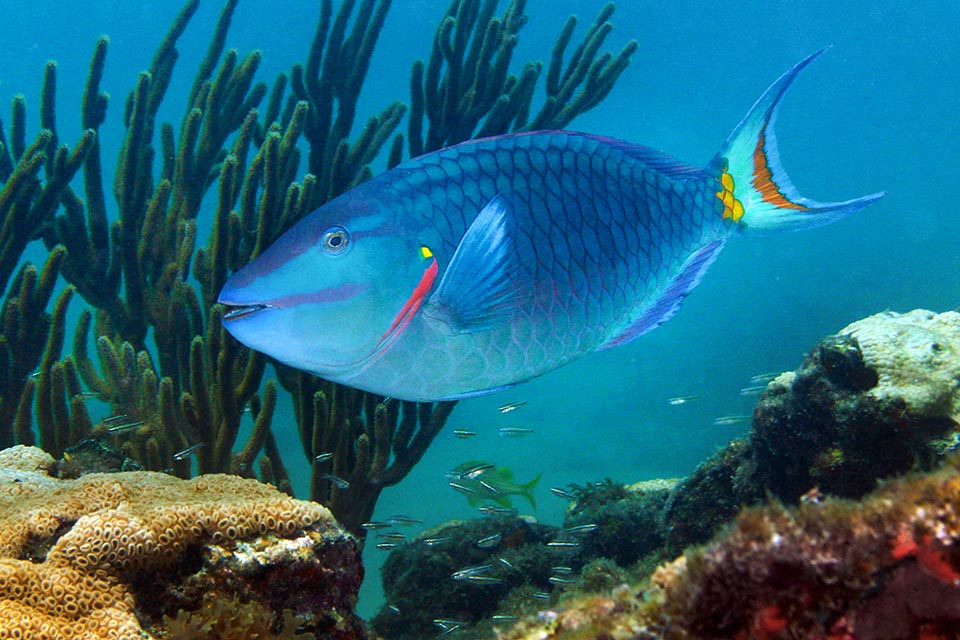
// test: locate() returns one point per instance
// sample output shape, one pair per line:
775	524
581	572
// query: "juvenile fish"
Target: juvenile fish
515	432
475	570
463	434
337	481
583	528
189	451
723	421
510	406
126	426
681	399
490	541
753	391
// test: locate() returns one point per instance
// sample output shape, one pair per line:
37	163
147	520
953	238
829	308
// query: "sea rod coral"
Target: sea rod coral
138	261
138	555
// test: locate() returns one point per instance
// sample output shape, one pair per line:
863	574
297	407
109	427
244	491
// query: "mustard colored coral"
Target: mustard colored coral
98	556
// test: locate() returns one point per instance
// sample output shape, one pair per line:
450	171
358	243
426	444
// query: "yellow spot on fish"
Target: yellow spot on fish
425	252
732	207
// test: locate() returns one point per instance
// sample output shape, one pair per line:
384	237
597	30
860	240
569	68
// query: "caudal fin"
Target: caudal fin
754	187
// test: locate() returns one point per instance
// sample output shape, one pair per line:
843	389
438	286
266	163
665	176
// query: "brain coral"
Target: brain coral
110	555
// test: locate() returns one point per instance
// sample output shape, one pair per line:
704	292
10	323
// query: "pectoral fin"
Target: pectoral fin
476	292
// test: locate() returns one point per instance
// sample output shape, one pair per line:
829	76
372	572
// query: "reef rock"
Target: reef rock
140	555
883	569
876	400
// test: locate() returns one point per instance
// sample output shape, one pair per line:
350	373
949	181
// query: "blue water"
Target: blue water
878	112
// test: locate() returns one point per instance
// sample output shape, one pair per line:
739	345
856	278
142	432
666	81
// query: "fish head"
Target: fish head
333	293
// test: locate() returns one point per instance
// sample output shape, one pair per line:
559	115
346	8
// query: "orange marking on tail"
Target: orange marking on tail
763	178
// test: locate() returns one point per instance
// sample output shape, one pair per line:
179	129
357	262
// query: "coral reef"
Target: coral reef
163	360
140	554
460	571
875	400
883	569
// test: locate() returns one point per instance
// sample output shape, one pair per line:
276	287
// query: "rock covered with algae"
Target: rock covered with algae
139	555
882	569
877	399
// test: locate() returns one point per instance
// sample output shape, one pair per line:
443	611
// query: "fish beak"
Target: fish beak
242	311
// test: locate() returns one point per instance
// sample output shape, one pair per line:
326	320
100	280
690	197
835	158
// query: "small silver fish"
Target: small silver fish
490	541
463	434
114	418
403	521
323	457
396	537
753	391
583	528
562	570
562	493
559	580
181	455
462	489
375	524
763	378
484	580
432	542
681	400
489	487
515	432
474	471
126	426
502	618
510	406
505	563
475	570
493	510
541	595
394	608
563	544
386	546
723	421
337	481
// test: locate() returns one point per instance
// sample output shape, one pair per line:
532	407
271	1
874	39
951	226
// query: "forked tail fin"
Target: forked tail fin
755	189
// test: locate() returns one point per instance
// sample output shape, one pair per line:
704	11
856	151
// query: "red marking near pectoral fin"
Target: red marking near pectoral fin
403	317
763	176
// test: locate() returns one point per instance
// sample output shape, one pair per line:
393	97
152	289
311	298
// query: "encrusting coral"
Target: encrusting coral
121	555
883	569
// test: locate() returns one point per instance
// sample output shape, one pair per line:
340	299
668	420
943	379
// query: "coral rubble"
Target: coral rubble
137	555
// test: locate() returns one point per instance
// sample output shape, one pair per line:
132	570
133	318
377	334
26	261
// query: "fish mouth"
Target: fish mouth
243	310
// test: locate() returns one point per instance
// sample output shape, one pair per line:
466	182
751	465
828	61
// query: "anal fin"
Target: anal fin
668	302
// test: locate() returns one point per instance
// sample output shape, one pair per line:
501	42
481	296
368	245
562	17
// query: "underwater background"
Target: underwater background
878	112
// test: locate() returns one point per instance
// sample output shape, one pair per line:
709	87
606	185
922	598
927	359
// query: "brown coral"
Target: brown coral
88	558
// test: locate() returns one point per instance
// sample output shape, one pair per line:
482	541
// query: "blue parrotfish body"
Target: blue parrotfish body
490	262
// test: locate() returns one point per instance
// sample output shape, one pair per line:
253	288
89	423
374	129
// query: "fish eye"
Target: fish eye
335	240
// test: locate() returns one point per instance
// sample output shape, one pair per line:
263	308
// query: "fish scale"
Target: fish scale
612	206
478	266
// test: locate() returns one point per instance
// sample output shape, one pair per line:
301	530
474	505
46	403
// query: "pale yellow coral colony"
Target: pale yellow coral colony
67	546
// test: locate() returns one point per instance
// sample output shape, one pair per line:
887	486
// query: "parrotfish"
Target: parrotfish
476	267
